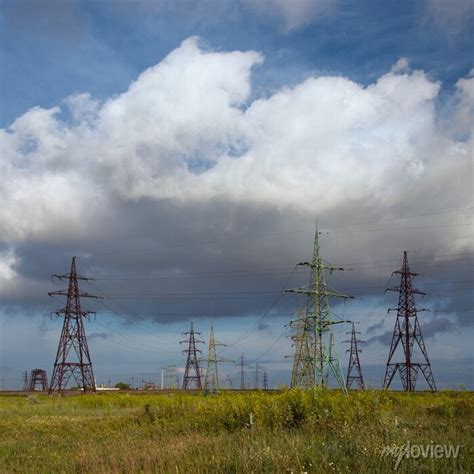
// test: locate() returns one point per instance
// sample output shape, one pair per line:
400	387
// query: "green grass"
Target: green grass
289	431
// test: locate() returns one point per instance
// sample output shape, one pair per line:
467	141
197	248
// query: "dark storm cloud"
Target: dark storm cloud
199	260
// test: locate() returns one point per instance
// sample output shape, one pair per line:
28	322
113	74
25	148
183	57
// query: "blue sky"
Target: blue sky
180	138
53	49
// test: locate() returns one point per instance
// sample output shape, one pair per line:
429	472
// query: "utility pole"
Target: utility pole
407	331
242	373
192	362
73	358
211	381
314	356
354	362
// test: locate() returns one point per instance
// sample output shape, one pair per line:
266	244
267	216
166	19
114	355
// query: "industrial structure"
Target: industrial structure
73	359
38	380
407	334
354	372
171	382
314	354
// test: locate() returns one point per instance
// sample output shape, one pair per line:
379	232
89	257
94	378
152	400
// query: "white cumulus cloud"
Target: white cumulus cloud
184	130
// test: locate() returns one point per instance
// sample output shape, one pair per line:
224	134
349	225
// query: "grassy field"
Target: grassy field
290	431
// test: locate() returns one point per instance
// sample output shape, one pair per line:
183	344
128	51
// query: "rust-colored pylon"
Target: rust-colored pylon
73	358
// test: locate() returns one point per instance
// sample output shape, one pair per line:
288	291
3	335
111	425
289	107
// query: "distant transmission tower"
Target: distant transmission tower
407	331
314	356
211	381
354	372
257	370
73	358
26	381
38	379
192	362
228	379
265	379
242	373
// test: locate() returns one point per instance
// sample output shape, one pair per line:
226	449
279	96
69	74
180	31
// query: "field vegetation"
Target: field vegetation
233	432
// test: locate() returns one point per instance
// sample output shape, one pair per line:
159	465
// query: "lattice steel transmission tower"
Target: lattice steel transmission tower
211	380
73	357
407	331
302	344
258	369
192	362
242	372
228	379
38	378
26	381
265	379
354	372
314	355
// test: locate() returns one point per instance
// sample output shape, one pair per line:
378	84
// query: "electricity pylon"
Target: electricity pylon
73	358
354	372
242	373
407	331
265	379
257	370
211	381
302	344
228	379
192	362
314	355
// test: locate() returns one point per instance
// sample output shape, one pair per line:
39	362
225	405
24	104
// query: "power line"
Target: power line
266	313
213	296
263	271
253	292
271	346
127	319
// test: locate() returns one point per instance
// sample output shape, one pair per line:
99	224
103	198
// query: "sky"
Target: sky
184	150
